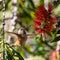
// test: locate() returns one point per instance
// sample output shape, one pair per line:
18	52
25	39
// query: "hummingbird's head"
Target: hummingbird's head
21	31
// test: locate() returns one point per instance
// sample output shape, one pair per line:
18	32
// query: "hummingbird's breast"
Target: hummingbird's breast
22	39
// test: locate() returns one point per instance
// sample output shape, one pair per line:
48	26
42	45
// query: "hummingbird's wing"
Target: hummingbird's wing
30	35
13	35
21	39
16	37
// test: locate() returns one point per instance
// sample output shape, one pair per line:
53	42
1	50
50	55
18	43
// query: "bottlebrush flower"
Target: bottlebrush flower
50	8
44	20
53	19
48	27
38	30
40	13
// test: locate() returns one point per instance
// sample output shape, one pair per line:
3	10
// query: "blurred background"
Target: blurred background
18	38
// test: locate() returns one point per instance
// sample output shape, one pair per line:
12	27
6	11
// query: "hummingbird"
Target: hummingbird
20	37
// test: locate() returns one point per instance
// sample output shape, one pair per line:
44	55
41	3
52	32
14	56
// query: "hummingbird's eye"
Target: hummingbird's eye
21	29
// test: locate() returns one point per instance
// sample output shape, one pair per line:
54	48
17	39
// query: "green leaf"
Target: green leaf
41	2
31	3
14	53
58	32
7	3
53	34
9	56
56	39
1	6
57	11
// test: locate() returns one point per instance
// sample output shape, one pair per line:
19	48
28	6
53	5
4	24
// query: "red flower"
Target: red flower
38	30
36	24
50	7
40	13
53	19
44	19
48	27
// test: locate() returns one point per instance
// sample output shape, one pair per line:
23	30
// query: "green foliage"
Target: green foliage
42	46
8	4
41	2
56	39
1	6
57	11
11	54
58	32
25	12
